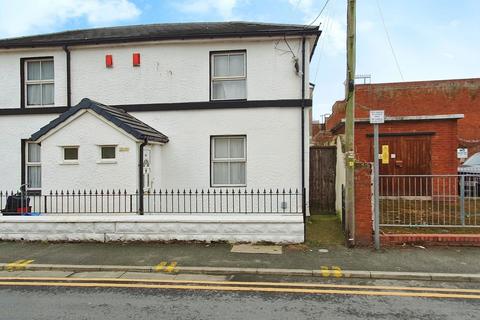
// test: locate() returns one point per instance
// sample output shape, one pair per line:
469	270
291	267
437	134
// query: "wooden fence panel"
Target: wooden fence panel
322	179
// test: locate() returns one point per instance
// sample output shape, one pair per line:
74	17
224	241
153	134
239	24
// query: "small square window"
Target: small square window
108	152
70	153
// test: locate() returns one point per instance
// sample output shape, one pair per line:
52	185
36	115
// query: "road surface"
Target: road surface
94	299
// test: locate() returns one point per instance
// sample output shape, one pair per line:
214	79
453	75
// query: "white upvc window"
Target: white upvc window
229	76
70	154
33	166
39	82
108	154
229	161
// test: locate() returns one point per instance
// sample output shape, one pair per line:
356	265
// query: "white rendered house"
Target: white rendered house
194	106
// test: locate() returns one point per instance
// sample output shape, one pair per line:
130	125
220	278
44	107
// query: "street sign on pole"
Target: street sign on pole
377	117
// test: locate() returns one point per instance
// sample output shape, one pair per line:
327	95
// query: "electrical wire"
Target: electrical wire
389	41
288	45
319	14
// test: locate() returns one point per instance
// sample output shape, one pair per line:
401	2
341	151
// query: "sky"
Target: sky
397	40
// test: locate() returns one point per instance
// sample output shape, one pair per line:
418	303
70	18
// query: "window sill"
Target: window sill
39	105
229	186
113	161
229	100
72	162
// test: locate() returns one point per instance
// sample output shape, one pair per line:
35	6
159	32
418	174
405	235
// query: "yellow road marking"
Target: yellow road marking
337	272
171	267
247	289
325	271
160	266
273	284
18	265
12	265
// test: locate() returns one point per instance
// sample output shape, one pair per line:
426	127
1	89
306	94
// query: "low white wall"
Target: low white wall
221	227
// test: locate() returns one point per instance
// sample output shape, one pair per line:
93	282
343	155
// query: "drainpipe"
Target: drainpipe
69	87
304	208
140	177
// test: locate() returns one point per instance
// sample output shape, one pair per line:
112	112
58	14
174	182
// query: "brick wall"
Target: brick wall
444	161
421	98
444	141
363	206
338	113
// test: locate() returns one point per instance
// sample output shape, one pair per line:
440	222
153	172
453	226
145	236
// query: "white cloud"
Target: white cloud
222	7
335	35
333	38
23	17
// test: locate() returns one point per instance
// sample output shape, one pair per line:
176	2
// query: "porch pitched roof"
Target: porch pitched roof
116	116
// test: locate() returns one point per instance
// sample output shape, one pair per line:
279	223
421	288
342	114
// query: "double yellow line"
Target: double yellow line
270	287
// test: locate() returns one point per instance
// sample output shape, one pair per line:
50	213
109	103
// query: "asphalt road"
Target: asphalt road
45	302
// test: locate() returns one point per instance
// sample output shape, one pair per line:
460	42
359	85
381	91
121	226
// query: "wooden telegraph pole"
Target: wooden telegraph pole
350	125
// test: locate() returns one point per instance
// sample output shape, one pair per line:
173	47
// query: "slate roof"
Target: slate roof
117	116
154	32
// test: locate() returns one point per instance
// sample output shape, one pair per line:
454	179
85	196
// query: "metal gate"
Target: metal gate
322	179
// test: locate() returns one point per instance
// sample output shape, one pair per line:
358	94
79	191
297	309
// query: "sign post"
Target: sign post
376	117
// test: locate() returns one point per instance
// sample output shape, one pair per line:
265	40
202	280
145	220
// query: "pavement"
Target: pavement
436	263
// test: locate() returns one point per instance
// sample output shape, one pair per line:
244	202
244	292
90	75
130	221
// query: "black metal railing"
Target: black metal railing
155	202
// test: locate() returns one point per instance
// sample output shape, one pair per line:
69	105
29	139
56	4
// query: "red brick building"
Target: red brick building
426	122
421	98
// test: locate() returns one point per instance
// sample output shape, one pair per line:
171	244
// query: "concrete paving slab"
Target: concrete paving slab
474	277
217	270
255	248
45	274
355	274
298	272
450	277
400	275
98	274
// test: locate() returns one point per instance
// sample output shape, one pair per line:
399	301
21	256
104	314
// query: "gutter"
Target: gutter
304	211
185	36
404	118
319	32
140	177
69	84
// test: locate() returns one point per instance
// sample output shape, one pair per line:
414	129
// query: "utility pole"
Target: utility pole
349	124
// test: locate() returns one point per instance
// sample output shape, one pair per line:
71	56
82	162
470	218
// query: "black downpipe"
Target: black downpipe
69	86
140	178
304	205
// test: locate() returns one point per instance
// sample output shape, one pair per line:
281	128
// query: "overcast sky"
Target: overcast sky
432	39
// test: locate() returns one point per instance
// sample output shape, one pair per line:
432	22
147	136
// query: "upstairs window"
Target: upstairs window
229	76
39	82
